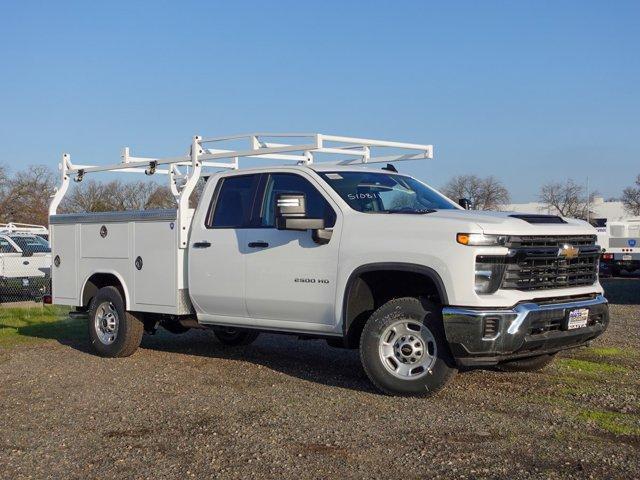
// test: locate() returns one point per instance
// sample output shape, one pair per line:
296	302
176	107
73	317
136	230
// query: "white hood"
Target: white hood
506	223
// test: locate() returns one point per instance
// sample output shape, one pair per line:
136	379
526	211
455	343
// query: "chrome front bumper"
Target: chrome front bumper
489	336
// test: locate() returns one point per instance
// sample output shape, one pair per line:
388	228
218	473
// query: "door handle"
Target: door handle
204	244
258	244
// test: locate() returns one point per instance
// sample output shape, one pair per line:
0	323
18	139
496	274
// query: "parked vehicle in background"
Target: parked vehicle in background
25	262
365	258
622	248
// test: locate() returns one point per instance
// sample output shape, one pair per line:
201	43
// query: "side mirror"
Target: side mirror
291	213
464	203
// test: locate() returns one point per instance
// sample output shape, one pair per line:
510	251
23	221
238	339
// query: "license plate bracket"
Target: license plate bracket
577	318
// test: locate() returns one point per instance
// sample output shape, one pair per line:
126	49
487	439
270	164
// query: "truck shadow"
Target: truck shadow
310	360
622	290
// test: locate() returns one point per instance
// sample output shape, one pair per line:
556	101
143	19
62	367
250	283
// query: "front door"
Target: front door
216	261
290	278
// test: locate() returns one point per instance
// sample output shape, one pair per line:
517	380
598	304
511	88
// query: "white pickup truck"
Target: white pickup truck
365	258
25	262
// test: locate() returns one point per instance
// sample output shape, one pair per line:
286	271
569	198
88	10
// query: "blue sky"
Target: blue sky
527	91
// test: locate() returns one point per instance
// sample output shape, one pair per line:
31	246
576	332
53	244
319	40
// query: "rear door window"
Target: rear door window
234	202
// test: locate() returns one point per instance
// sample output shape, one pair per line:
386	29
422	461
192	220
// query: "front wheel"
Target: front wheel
235	336
113	331
403	348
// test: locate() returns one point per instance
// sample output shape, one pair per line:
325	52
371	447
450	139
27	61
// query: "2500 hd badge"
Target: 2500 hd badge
311	280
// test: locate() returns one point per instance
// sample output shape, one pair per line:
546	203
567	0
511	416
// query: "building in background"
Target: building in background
600	209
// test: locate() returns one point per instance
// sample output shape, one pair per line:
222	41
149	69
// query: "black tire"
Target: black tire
529	364
336	342
422	380
235	336
127	335
175	327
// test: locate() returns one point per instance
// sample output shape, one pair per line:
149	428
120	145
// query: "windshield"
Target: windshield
378	192
31	244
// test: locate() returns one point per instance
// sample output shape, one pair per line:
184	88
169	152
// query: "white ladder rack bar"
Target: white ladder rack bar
260	147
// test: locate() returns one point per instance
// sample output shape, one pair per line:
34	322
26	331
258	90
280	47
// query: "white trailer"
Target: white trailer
323	246
621	249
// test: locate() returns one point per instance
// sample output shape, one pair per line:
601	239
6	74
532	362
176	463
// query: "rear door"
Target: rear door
289	277
216	262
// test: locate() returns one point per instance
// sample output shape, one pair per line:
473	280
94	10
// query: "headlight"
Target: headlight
481	239
488	275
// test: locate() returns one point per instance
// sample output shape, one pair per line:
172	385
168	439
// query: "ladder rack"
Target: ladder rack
209	152
13	227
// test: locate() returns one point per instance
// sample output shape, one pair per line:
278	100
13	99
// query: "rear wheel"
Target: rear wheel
113	331
235	336
403	348
530	364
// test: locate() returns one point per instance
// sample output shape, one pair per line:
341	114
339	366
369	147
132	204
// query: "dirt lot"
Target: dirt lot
184	406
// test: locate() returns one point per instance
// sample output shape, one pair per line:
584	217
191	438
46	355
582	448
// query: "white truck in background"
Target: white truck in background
25	262
621	246
363	257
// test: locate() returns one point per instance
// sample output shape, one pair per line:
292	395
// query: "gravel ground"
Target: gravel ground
185	406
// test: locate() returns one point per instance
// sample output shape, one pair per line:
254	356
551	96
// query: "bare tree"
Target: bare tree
92	196
161	197
631	198
26	196
484	193
568	198
4	189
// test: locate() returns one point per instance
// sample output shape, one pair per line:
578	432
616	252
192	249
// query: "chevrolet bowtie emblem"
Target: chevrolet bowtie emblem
568	251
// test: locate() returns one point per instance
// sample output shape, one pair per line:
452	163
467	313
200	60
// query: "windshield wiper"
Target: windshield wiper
411	212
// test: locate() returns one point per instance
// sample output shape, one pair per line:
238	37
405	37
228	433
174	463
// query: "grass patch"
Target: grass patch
606	351
19	325
589	367
613	422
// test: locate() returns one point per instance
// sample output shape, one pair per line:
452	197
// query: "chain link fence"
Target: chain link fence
25	267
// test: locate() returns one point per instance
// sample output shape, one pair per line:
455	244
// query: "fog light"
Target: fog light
483	281
488	277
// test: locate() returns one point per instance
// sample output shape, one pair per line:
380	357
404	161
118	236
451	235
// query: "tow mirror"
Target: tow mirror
291	214
465	203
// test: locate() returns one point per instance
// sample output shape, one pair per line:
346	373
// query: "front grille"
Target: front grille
534	262
551	240
539	273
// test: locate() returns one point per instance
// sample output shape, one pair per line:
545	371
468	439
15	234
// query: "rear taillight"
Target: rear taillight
607	256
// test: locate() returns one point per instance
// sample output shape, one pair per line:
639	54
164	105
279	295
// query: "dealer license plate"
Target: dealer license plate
25	282
578	318
627	257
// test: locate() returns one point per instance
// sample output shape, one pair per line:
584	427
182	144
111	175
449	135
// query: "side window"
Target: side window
5	246
317	206
234	202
